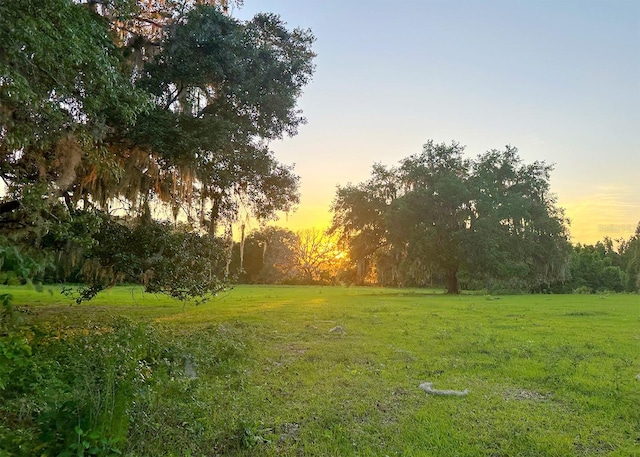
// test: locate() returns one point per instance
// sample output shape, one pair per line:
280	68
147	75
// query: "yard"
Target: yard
327	371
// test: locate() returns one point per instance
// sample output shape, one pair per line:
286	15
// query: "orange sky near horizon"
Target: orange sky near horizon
591	218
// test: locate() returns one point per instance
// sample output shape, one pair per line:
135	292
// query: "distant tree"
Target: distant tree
267	257
629	252
278	256
592	269
440	214
316	257
606	266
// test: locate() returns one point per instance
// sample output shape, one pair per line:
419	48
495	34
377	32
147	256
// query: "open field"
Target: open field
333	371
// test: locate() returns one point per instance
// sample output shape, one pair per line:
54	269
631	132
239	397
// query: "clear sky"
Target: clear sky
558	79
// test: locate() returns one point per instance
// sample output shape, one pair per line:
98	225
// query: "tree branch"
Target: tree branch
7	207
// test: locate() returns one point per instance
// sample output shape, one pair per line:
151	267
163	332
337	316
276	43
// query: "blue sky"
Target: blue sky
560	80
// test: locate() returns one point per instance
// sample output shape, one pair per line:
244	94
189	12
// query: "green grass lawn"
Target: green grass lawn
259	371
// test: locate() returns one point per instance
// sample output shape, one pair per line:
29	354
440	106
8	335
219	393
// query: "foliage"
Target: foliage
15	350
439	215
74	390
189	370
15	345
61	93
592	267
189	130
628	258
221	88
164	258
607	266
61	86
140	106
91	444
91	388
279	256
267	258
16	267
316	256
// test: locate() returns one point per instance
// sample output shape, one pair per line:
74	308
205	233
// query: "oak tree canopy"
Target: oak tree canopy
126	108
440	214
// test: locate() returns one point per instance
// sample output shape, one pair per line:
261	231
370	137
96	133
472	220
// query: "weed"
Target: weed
253	434
91	443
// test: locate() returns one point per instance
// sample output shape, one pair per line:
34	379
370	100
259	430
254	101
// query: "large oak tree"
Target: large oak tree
134	106
439	214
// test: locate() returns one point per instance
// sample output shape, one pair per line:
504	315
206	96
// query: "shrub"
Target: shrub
583	290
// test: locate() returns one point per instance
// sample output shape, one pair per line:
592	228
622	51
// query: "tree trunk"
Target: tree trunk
146	212
215	211
229	236
360	272
452	281
242	247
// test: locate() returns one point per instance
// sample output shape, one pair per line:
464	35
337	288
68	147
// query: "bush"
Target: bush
583	290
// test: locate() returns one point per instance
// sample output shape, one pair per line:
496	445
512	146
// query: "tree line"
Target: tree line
440	219
133	135
276	255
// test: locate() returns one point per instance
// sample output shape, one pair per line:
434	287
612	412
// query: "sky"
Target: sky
558	79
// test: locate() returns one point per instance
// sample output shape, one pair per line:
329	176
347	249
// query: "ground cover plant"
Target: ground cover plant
322	371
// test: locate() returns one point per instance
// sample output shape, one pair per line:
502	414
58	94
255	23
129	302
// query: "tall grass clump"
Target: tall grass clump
70	395
112	386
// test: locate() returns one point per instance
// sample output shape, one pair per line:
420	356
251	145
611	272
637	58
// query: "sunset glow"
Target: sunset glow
559	81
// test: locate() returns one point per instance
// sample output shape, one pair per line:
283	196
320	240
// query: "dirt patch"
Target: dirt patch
289	432
524	394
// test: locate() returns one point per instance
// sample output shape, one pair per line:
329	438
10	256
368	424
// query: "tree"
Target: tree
440	214
141	105
315	256
592	269
267	257
275	255
629	252
607	265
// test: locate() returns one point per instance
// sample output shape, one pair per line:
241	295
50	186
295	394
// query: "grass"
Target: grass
332	371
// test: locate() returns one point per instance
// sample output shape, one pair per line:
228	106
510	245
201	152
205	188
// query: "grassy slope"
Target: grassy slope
548	375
